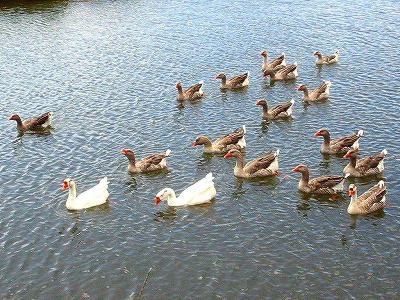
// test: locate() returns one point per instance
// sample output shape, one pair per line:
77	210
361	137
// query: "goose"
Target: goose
266	165
233	140
340	145
236	82
279	61
286	73
329	184
371	165
326	60
35	123
280	111
372	200
95	196
202	191
150	163
191	93
318	94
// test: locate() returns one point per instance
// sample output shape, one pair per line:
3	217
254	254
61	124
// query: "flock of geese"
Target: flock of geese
232	145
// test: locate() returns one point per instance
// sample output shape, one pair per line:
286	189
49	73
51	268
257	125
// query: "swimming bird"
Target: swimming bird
370	165
266	165
203	191
280	111
95	196
326	60
233	140
371	201
339	145
266	65
150	163
35	123
191	93
283	74
328	184
236	82
318	94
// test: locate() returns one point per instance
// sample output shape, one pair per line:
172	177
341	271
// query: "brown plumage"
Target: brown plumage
340	145
266	165
236	82
371	165
279	61
35	123
286	73
280	111
233	140
372	200
191	93
318	94
326	60
150	163
329	184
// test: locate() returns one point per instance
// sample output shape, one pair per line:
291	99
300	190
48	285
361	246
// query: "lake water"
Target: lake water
107	70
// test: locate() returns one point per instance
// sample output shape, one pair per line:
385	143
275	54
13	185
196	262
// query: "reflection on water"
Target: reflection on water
33	6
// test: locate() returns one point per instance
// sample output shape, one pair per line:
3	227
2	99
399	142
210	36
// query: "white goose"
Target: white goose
203	191
97	195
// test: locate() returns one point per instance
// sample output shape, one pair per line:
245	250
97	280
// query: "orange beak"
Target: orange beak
65	185
258	103
315	54
123	151
158	200
295	169
227	155
351	192
264	75
347	155
194	144
298	89
318	133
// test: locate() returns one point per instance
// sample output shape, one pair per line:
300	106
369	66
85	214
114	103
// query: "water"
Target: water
108	69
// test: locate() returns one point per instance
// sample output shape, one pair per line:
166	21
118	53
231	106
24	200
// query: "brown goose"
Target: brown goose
266	165
280	111
329	184
233	140
340	145
150	163
191	93
36	123
237	82
372	200
286	73
279	61
320	93
366	166
326	60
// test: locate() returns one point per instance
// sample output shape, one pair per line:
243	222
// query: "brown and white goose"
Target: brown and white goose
318	94
191	93
236	82
286	73
266	65
340	145
371	201
371	165
233	140
266	165
35	123
329	184
150	163
326	60
280	111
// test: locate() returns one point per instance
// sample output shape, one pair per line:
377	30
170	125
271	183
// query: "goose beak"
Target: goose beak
123	151
295	169
194	144
318	133
158	200
351	192
227	155
65	185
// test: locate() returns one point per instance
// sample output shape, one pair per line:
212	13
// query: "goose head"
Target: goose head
68	183
301	87
162	195
322	132
264	53
233	153
220	76
352	189
201	140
